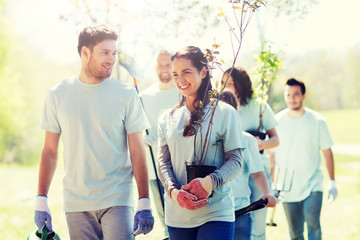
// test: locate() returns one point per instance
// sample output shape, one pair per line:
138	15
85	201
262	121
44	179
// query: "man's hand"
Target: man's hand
200	187
188	200
42	214
333	192
143	220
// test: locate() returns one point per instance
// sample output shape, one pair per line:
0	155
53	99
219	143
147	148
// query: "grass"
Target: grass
340	220
344	125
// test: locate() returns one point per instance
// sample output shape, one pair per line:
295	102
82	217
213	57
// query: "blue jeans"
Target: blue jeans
258	217
242	227
107	224
214	230
308	210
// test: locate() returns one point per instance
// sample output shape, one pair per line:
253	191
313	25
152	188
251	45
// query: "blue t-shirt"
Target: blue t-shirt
226	127
251	164
249	120
298	154
155	102
94	121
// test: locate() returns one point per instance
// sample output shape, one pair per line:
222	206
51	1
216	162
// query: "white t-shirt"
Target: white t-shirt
225	125
251	164
249	120
94	120
156	101
298	155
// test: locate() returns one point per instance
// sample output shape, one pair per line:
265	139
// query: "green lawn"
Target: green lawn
340	220
344	125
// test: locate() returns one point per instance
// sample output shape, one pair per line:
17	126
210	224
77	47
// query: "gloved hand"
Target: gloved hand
42	213
200	187
143	220
188	200
333	192
274	191
149	141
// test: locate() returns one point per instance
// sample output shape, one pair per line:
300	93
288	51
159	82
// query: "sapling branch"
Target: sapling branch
247	9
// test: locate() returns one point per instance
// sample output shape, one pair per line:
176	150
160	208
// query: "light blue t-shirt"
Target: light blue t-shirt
225	125
249	120
156	101
251	164
298	155
94	120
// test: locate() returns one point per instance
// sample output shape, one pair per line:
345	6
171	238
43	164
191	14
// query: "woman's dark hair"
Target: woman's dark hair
92	35
199	61
242	84
229	97
294	82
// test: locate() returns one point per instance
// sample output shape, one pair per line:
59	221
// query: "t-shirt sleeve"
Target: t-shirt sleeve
324	135
136	119
269	120
233	139
254	158
49	119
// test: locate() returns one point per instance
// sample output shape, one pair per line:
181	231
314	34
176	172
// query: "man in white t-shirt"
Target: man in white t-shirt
156	98
303	133
99	119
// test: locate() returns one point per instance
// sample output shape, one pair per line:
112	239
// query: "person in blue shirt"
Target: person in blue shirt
157	98
190	212
249	110
99	119
253	166
304	135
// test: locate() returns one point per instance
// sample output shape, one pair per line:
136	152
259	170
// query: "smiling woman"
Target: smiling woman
196	181
188	80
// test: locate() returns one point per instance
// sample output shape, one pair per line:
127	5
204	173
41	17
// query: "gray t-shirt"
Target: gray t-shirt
298	155
226	127
94	120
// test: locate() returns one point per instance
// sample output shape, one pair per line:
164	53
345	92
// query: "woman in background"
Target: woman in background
238	81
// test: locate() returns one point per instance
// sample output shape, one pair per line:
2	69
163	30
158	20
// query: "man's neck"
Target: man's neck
88	80
298	113
166	86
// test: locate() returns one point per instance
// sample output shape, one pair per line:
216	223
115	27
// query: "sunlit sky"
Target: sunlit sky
331	24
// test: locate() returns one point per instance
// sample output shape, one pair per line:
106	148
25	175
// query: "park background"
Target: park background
320	42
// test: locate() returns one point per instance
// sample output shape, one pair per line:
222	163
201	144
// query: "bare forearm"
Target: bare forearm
47	169
270	143
330	163
272	164
48	162
138	162
140	173
261	182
